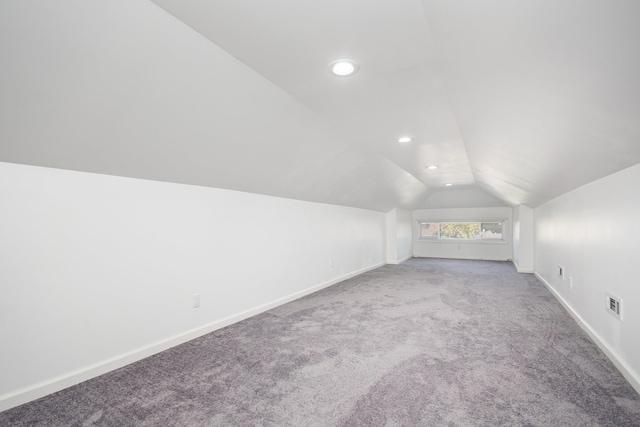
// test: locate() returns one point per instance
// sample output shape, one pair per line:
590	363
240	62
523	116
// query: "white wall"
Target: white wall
392	236
594	233
463	250
399	236
98	271
404	234
523	238
460	197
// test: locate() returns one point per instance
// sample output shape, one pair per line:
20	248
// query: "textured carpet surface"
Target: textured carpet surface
426	343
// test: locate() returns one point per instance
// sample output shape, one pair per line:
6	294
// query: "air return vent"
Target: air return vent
614	306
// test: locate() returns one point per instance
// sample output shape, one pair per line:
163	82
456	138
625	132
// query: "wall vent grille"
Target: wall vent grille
614	306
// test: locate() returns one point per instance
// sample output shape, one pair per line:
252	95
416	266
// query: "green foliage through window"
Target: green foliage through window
461	230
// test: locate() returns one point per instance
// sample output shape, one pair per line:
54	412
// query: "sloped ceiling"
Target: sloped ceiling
546	93
516	102
462	196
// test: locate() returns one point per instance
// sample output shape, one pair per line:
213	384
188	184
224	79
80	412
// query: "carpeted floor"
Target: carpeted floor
427	343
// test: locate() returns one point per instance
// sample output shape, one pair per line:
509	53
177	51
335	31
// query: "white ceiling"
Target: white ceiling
517	102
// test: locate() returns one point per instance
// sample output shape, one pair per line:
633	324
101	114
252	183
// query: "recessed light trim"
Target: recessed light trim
433	167
344	67
404	139
448	184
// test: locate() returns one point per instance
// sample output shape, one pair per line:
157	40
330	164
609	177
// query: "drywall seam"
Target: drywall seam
623	367
36	391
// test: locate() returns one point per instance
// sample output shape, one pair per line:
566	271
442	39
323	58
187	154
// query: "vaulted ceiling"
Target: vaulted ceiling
517	102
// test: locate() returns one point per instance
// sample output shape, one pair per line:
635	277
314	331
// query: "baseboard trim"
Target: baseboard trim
400	261
471	258
521	270
405	259
623	367
44	388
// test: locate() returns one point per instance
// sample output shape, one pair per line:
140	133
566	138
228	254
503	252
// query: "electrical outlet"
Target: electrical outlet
570	282
196	300
614	306
561	272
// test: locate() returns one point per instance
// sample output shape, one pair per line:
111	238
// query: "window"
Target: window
491	230
459	230
428	230
462	230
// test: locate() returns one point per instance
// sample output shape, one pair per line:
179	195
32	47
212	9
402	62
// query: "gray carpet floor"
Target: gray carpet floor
429	342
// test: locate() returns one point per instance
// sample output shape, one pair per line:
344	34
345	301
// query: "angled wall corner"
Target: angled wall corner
399	242
523	239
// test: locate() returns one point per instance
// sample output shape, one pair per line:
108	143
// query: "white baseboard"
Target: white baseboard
400	261
36	391
472	258
628	372
521	270
404	259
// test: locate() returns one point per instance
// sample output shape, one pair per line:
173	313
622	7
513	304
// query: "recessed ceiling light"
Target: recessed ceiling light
432	167
448	185
405	139
344	67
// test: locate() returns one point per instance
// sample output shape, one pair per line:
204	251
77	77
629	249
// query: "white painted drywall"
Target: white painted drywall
594	233
99	270
516	236
392	236
404	234
463	250
399	236
460	197
121	87
523	238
